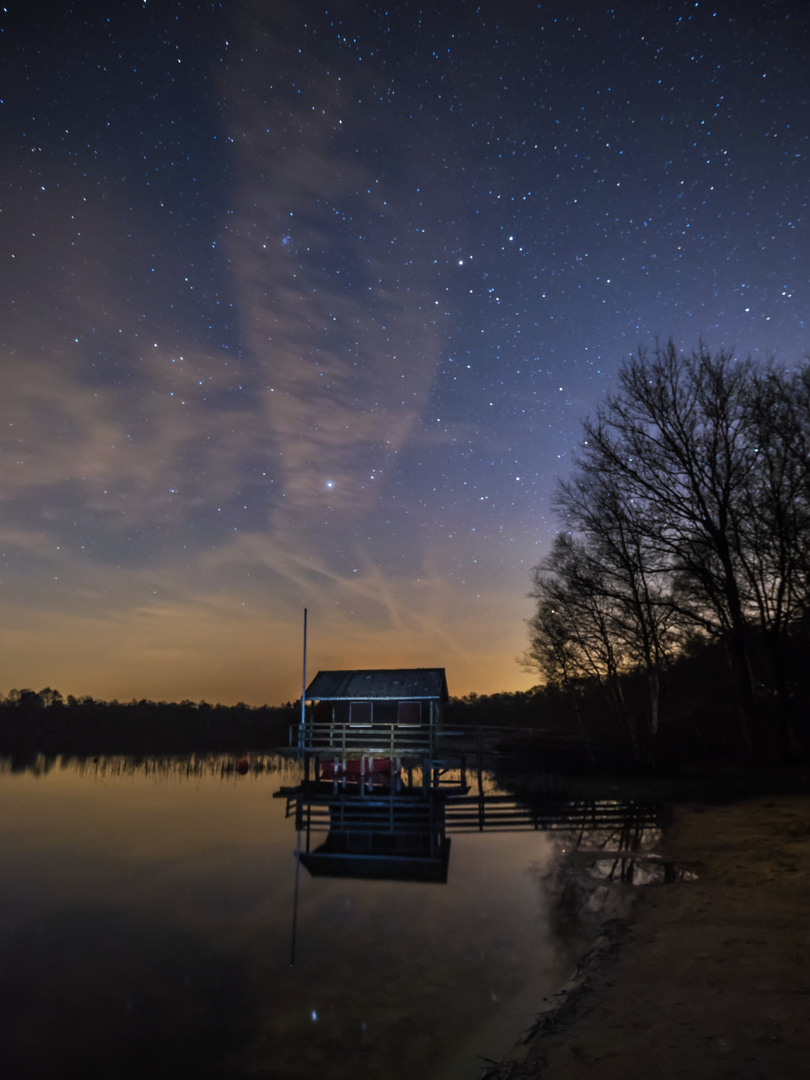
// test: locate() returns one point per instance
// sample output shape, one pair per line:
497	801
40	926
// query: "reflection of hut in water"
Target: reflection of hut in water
397	835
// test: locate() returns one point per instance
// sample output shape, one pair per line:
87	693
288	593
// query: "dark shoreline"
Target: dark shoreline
705	977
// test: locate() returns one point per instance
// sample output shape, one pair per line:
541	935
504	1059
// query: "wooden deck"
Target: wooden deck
412	811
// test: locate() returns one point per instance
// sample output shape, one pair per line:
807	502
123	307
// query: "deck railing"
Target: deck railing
382	740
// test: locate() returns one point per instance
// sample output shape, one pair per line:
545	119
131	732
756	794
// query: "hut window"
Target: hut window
409	713
360	714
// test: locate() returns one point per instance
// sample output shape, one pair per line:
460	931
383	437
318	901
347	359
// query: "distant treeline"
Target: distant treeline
49	722
587	723
685	526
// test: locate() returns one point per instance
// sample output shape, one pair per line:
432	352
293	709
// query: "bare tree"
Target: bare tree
643	617
690	500
575	635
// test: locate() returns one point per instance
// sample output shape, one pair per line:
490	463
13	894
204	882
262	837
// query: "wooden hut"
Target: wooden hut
392	713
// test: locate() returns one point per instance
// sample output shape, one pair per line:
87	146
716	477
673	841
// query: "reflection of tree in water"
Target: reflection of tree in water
592	878
188	767
170	766
97	993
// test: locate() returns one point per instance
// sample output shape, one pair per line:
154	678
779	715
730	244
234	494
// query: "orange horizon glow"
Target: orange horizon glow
228	656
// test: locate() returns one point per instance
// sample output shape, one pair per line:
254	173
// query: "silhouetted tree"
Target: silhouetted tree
615	543
689	503
48	698
597	617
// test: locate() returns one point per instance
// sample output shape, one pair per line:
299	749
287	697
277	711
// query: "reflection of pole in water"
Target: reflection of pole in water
295	896
480	772
303	683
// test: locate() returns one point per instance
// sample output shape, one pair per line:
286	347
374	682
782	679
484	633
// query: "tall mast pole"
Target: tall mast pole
299	815
304	676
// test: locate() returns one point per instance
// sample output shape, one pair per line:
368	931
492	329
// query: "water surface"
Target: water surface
145	930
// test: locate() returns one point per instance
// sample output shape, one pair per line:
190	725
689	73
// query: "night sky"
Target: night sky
303	305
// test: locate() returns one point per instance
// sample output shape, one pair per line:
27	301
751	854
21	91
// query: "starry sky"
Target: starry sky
303	305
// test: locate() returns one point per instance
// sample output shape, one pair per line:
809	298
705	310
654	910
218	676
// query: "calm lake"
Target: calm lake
146	919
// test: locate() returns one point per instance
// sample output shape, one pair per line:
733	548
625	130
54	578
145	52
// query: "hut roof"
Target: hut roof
381	684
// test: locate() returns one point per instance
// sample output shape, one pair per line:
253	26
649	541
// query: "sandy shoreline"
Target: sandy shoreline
711	978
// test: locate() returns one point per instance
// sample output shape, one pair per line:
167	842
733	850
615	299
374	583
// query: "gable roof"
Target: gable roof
379	684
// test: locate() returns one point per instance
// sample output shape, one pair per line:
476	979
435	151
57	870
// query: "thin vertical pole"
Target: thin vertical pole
480	771
294	934
299	808
304	674
302	728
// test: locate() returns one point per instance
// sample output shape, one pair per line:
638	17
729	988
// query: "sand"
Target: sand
708	978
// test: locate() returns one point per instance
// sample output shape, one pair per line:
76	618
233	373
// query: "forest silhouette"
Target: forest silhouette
46	722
